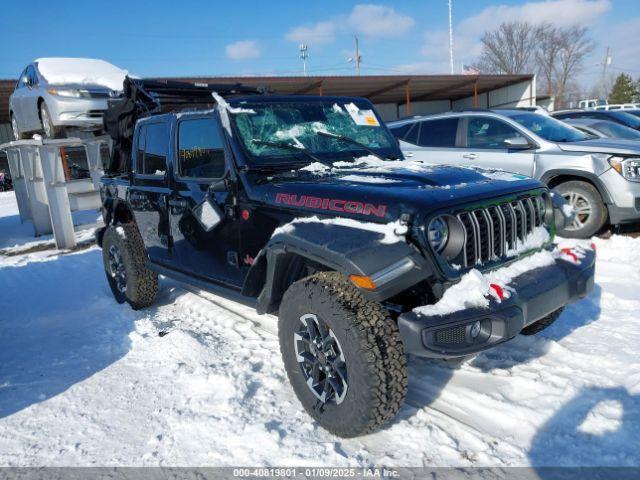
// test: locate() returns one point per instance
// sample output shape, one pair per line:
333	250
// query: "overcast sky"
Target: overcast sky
172	38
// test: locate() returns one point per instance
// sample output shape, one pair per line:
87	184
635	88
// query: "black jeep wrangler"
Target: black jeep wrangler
306	207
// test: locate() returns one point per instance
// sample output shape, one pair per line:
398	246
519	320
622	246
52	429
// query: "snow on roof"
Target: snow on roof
82	71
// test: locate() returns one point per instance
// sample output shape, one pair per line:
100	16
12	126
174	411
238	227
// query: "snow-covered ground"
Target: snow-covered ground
199	381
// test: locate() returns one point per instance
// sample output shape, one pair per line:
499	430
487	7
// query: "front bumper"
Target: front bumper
76	112
537	293
625	198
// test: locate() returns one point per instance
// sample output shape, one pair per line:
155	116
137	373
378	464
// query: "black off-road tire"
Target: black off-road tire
141	283
598	216
542	323
375	361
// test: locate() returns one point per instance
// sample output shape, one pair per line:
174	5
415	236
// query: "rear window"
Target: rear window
438	133
153	147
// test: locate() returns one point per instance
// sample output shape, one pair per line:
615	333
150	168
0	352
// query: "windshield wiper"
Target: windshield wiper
346	139
289	146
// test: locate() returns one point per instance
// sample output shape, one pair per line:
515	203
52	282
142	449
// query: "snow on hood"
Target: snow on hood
392	232
81	71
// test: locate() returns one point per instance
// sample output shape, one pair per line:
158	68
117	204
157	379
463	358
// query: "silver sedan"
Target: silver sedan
52	94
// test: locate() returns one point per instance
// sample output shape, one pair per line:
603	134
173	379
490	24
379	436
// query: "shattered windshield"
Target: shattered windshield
294	131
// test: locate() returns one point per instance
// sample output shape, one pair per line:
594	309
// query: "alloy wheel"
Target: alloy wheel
321	360
582	207
46	121
117	269
14	127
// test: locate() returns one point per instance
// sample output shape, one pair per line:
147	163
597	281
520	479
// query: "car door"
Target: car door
432	140
484	145
204	229
18	101
30	100
149	190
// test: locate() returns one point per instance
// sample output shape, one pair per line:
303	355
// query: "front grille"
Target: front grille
492	232
451	336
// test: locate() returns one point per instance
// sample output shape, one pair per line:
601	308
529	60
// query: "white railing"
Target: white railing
45	192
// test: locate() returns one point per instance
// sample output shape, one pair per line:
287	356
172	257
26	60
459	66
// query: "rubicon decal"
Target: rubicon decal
332	204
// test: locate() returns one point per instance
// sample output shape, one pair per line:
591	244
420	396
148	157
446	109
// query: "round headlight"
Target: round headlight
438	233
446	236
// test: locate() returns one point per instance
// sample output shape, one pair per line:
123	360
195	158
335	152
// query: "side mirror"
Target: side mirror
517	143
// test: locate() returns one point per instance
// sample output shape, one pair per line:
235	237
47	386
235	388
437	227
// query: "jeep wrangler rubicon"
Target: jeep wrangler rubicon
306	207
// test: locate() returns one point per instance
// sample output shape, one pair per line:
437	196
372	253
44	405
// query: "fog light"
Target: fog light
475	330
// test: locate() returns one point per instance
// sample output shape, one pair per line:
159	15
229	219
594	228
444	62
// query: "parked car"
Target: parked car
617	106
54	93
599	177
622	117
305	207
603	128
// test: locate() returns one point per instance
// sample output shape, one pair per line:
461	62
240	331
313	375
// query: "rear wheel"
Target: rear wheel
342	354
123	256
17	134
591	212
49	129
542	323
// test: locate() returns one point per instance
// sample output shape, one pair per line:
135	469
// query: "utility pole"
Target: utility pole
603	80
358	58
304	55
450	39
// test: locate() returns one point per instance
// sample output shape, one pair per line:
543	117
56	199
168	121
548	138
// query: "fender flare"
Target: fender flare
549	175
350	251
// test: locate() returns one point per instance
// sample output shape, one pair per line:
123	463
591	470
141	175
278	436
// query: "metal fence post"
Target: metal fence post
19	183
57	195
36	191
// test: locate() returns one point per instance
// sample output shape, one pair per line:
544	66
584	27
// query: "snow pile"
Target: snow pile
474	288
366	179
82	71
536	239
391	232
197	379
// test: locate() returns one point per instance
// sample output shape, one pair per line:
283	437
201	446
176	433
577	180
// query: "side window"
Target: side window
200	152
156	143
401	130
439	133
412	134
31	75
21	80
486	132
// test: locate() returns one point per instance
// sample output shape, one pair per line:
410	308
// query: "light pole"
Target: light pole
450	40
304	55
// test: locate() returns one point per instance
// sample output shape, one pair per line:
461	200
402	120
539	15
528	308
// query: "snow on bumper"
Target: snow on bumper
483	310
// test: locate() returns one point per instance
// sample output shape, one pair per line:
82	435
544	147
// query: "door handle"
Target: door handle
470	156
177	203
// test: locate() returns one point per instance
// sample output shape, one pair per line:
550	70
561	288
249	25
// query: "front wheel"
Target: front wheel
129	278
343	355
49	129
590	210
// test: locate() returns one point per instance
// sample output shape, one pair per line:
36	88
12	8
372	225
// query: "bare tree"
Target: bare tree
575	46
508	49
555	54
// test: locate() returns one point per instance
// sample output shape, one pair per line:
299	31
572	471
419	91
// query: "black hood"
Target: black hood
384	193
